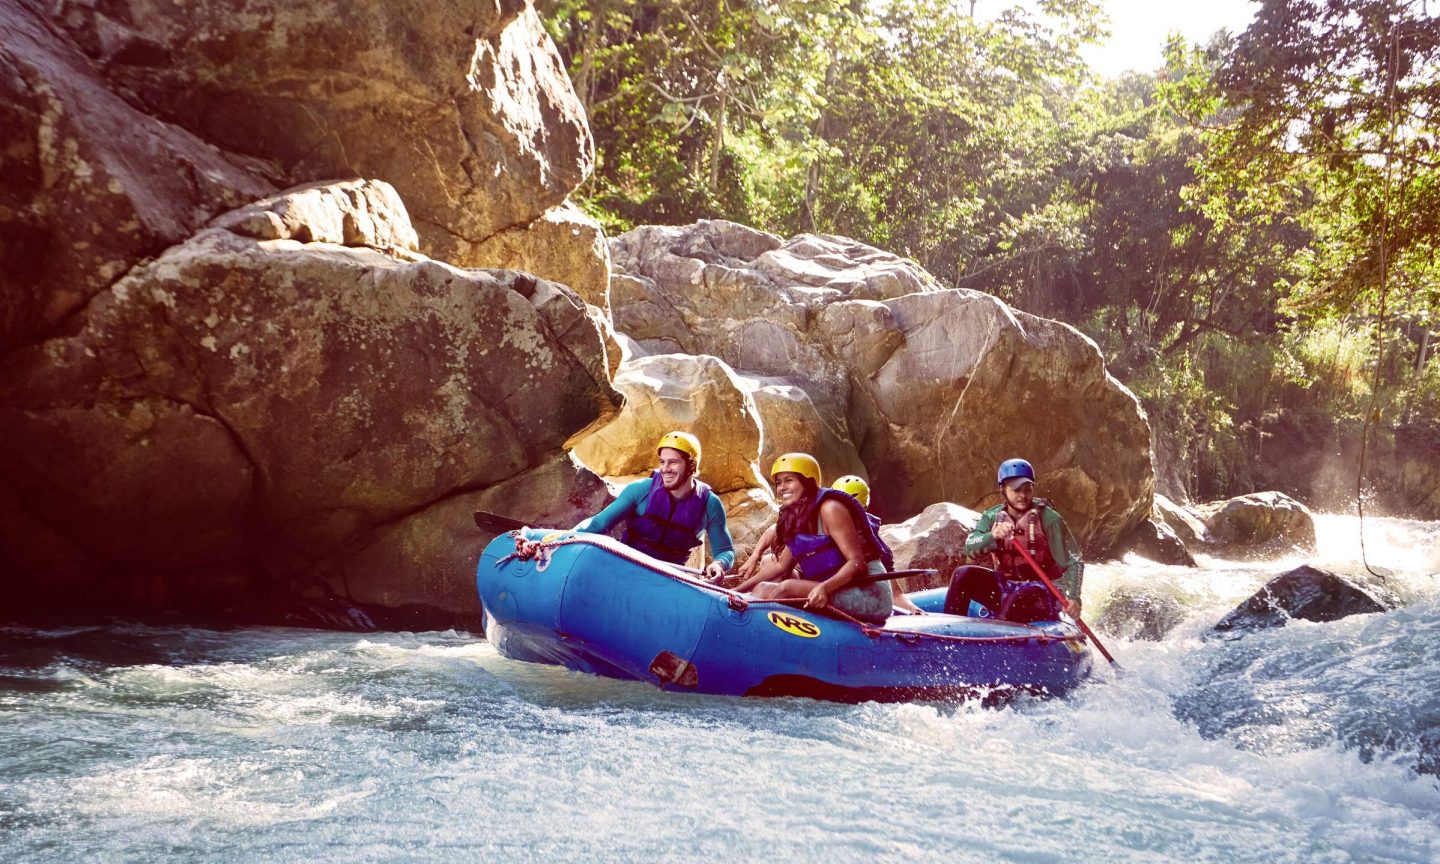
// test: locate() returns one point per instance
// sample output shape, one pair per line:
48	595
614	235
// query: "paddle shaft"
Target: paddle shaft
1084	628
893	574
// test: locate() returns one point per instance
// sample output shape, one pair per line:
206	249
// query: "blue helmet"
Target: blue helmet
1012	468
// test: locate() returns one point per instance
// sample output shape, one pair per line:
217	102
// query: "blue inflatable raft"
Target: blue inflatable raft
589	603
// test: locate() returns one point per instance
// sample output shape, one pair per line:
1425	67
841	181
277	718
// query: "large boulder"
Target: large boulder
284	385
198	417
1183	523
1309	594
561	245
664	392
438	590
932	387
1259	523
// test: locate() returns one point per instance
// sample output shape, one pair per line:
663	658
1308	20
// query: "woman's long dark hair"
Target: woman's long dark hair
792	515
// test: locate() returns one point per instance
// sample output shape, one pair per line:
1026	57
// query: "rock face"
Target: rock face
465	108
1259	523
216	406
1309	594
251	397
126	125
89	184
929	387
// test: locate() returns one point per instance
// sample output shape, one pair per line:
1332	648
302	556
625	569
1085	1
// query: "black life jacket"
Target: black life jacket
670	527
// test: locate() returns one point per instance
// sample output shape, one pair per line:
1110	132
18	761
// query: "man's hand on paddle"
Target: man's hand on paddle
1002	530
715	572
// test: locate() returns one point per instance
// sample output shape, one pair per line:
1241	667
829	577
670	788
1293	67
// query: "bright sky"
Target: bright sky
1140	28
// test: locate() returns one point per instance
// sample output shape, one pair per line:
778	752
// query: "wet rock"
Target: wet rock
1180	520
436	548
1309	594
1156	541
1139	613
1260	523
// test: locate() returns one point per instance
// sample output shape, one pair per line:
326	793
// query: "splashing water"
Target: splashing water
1311	742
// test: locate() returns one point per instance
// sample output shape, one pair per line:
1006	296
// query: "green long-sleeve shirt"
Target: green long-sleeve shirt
1063	547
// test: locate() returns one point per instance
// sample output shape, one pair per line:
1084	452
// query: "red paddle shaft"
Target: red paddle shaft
1084	628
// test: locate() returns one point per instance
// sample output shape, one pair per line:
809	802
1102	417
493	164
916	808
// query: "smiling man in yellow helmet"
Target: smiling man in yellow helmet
666	513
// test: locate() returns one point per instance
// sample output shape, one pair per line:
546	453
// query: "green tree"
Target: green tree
667	84
1328	111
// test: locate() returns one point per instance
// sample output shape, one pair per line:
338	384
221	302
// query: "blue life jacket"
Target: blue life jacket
669	528
817	555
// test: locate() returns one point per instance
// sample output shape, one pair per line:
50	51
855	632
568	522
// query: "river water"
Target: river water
1308	743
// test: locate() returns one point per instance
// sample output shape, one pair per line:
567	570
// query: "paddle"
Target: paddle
1089	634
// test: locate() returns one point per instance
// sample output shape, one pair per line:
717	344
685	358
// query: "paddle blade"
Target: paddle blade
495	523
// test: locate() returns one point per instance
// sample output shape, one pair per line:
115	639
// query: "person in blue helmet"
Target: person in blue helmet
666	514
825	535
1010	590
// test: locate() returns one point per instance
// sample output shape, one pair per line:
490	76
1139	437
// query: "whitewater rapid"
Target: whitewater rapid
1311	742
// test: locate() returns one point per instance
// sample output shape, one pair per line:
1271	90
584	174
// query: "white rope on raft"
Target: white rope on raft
688	574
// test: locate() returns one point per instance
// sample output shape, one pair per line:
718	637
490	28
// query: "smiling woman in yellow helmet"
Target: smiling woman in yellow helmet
826	535
856	487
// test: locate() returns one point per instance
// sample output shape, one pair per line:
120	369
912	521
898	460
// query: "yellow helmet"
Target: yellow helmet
682	441
798	463
855	486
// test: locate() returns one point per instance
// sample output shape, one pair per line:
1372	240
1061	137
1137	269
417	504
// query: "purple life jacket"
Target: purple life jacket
817	555
669	528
